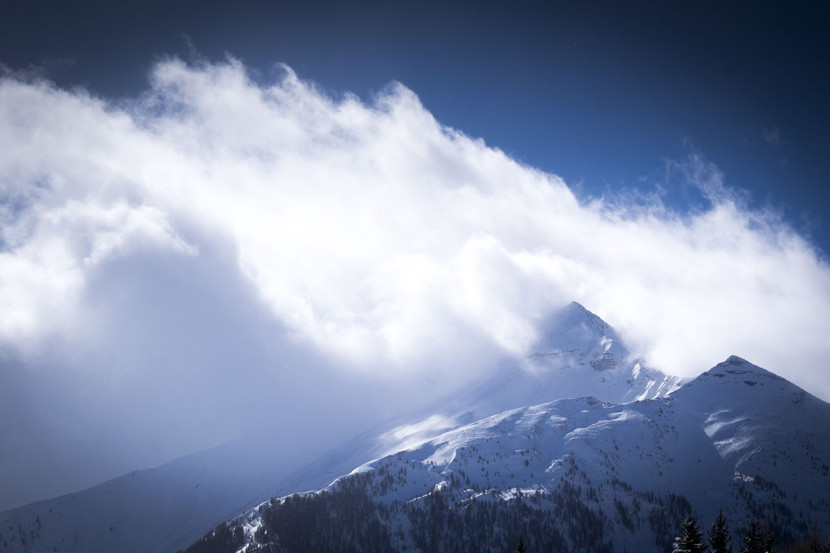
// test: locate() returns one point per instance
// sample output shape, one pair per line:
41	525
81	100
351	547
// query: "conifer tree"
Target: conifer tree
756	540
521	547
690	539
812	543
719	535
815	541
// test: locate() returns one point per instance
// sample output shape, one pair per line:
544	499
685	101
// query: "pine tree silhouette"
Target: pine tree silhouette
719	535
756	540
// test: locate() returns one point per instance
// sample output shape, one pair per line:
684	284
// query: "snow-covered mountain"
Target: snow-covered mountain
578	356
575	474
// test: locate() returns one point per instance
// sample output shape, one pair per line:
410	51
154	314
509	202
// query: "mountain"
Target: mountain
577	355
162	509
168	507
149	510
574	475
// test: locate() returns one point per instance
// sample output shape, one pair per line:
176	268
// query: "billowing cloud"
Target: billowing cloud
362	236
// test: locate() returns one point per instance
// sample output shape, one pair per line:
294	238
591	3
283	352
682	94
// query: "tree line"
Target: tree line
757	538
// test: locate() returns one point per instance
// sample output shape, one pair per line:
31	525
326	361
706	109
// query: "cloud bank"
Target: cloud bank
218	228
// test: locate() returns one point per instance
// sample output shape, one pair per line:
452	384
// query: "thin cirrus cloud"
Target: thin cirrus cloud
374	235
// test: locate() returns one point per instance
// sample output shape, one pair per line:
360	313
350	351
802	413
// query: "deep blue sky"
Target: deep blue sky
599	93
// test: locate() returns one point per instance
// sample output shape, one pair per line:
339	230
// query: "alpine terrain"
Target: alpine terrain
580	446
575	475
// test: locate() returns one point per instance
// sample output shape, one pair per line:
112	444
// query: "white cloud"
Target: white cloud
376	234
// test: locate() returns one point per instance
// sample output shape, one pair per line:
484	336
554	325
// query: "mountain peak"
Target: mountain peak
735	361
738	366
575	312
575	305
737	381
573	335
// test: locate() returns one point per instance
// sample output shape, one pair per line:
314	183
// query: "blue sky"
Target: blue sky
358	207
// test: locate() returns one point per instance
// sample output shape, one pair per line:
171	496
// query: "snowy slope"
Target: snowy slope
738	438
762	425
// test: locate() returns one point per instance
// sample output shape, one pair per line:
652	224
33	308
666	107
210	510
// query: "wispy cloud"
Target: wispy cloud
771	135
365	236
